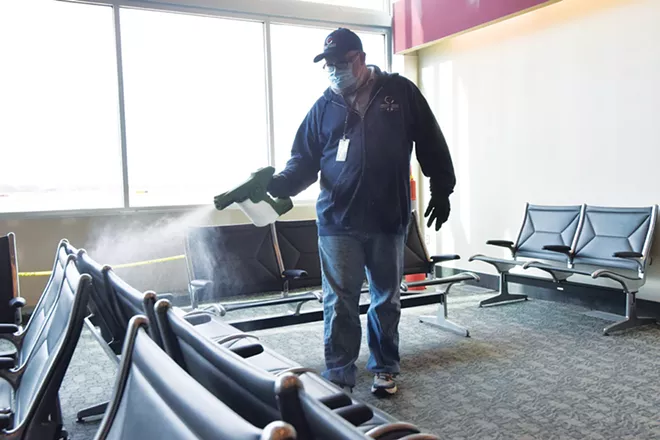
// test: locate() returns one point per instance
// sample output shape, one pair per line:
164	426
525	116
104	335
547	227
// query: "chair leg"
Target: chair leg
57	417
440	320
632	320
504	295
96	410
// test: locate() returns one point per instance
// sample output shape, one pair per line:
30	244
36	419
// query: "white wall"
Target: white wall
557	106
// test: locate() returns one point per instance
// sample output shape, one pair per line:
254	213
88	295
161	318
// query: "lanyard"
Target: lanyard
348	111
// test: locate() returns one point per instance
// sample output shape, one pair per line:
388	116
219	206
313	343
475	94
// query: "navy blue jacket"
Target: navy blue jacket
369	191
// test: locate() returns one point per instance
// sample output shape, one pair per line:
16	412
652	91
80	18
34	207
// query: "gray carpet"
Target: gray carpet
531	370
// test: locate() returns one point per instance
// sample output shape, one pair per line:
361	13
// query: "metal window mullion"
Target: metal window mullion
270	116
122	109
389	46
257	9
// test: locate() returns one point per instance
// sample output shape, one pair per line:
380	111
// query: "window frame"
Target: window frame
287	12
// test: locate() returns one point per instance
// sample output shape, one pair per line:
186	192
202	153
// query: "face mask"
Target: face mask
342	79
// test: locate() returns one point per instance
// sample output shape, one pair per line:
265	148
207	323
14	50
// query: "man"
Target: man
359	134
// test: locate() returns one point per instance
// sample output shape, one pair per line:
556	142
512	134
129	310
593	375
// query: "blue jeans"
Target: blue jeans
344	261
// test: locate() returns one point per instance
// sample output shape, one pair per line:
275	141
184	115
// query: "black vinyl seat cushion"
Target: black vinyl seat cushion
155	398
10	301
103	304
44	307
35	385
6	395
298	243
35	345
48	343
157	387
255	375
237	259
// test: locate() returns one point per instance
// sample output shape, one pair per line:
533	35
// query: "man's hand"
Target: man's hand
438	211
277	187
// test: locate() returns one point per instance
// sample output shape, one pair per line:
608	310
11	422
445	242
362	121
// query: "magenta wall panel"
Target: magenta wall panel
418	22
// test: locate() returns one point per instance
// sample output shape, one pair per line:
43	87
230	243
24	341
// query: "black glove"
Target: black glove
277	187
438	210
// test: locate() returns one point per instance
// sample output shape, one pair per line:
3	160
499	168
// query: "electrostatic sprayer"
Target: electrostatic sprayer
253	199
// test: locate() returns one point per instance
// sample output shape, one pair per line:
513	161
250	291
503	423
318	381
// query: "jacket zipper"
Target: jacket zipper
372	100
364	143
364	146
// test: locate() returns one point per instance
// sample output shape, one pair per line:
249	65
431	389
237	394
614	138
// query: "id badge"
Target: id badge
342	149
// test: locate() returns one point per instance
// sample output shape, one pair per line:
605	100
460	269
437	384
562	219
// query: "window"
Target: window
379	5
194	89
59	132
195	95
298	82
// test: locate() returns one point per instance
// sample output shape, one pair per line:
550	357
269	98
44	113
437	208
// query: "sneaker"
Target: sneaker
383	385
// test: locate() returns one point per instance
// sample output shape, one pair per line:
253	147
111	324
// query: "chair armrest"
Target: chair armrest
559	248
442	258
630	255
11	353
8	328
198	317
334	401
623	280
167	296
7	363
355	414
233	337
627	254
197	288
453	279
5	420
294	274
388	430
298	371
612	275
500	243
420	437
318	295
249	350
17	303
200	284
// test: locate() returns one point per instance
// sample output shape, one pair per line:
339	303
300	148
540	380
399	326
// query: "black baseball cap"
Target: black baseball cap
339	43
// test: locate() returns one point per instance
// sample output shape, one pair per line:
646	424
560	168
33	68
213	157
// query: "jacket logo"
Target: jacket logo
389	105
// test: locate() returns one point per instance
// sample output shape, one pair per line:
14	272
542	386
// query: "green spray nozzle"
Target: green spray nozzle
254	190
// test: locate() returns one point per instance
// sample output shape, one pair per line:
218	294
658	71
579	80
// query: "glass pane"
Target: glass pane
195	105
298	82
59	126
378	5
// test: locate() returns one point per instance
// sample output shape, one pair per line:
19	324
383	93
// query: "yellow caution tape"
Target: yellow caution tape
35	274
46	273
146	262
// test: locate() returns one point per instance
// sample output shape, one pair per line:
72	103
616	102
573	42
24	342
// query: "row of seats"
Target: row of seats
242	259
250	379
179	374
11	302
32	373
228	262
569	242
